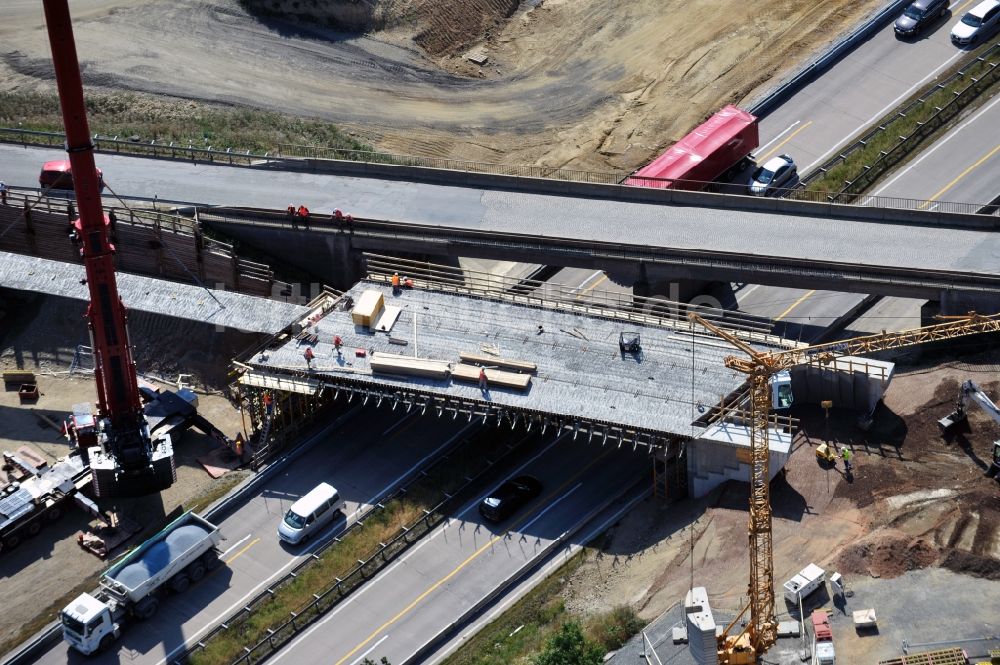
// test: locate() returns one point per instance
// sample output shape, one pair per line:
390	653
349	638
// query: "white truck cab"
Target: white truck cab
88	624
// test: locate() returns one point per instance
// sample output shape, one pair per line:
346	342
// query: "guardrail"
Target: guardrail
437	640
863	32
886	159
151	148
29	651
327	599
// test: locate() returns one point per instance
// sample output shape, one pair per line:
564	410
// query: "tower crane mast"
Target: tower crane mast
760	632
124	459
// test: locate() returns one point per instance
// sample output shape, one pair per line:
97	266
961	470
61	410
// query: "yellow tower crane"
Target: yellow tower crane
761	630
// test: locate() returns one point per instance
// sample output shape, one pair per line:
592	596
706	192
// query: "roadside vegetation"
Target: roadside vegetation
540	630
143	118
858	162
359	544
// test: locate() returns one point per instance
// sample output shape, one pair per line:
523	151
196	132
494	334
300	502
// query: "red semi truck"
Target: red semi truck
719	145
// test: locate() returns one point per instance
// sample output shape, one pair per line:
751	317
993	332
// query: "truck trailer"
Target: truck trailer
39	497
719	146
823	645
171	560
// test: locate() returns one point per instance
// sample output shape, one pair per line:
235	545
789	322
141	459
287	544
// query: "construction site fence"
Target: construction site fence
365	569
148	242
870	173
287	154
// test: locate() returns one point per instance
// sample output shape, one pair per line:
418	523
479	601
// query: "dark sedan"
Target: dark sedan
919	15
504	500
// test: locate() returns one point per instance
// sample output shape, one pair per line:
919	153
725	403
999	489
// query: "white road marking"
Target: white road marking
788	129
409	471
386	571
743	293
365	654
278	573
236	544
955	132
597	274
885	110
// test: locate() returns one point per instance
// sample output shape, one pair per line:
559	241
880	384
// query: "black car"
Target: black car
918	15
504	500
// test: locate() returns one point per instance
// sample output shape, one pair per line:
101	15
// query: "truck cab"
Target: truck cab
88	624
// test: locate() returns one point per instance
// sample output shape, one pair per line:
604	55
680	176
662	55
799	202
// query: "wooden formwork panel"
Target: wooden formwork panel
494	377
950	656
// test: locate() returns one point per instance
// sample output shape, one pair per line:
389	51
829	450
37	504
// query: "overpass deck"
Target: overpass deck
157	296
582	378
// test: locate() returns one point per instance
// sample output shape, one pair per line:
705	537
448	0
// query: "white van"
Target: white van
310	514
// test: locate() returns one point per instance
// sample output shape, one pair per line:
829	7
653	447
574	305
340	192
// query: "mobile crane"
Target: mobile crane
124	458
750	643
970	392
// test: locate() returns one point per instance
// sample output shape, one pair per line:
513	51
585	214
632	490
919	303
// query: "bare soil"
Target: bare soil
915	501
40	334
584	84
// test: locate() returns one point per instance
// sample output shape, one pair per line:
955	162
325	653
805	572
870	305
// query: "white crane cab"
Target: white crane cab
781	390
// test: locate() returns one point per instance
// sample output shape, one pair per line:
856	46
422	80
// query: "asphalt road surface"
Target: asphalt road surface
857	91
963	165
363	462
462	561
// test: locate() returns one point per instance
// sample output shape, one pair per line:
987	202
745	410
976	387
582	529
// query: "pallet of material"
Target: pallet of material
18	377
389	363
494	377
517	365
952	656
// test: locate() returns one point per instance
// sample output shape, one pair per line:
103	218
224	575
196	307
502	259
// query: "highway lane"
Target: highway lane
462	561
856	91
363	462
963	165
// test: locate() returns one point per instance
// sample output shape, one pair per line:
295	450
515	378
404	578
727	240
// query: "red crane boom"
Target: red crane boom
126	462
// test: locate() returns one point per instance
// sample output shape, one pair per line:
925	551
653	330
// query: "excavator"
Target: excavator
747	644
970	392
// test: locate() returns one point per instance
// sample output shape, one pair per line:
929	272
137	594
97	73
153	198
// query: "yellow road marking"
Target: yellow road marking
761	160
251	544
593	286
494	540
960	176
795	304
962	8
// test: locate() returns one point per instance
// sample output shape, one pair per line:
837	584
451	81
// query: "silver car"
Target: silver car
776	173
978	23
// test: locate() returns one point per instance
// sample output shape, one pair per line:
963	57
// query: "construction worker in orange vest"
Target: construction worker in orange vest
309	355
268	403
337	343
483	385
395	283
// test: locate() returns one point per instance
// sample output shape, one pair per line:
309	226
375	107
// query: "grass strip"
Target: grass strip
520	634
145	117
862	166
269	619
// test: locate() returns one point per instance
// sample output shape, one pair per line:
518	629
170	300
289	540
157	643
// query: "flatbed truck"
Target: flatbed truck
40	497
170	561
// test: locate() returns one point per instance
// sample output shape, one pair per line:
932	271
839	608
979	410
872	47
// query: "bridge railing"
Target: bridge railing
621	178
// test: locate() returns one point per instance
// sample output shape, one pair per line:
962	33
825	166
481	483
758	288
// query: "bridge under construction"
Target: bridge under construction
649	380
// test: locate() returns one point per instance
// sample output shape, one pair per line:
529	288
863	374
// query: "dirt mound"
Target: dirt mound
972	564
438	27
887	555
